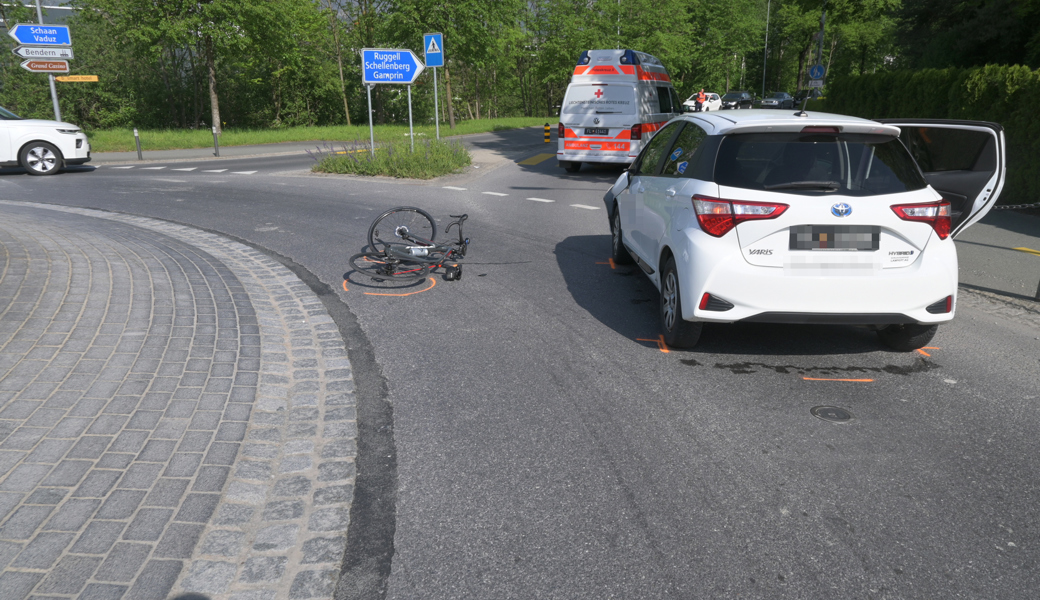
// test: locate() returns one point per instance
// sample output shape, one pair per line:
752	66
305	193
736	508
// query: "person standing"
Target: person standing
701	99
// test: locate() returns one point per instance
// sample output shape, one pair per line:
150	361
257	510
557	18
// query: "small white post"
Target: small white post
411	132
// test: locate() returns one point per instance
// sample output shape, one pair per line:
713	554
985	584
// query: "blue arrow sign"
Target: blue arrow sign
817	72
30	34
379	65
433	46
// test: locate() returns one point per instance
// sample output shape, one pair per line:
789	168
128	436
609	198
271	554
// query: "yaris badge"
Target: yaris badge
841	210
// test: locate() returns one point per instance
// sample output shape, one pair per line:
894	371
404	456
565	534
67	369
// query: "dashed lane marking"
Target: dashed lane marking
537	158
188	169
540	200
129	167
846	380
494	193
586	207
243	172
457	189
213	170
1029	251
152	168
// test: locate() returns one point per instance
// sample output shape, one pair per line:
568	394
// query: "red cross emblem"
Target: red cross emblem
599	93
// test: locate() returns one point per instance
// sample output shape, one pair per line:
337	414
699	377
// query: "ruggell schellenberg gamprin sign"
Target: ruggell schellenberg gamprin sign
385	65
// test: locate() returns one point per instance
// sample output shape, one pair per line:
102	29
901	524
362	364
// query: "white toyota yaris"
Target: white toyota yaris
805	218
40	146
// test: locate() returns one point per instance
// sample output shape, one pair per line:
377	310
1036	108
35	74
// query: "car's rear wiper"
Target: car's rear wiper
805	185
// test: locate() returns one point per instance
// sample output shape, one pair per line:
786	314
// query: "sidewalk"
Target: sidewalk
176	415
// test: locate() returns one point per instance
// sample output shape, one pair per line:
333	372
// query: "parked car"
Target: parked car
777	218
714	102
40	146
737	100
778	100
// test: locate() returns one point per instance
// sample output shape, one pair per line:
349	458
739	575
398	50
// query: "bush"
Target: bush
1002	94
432	158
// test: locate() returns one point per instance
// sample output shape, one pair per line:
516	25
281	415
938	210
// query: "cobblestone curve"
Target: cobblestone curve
176	415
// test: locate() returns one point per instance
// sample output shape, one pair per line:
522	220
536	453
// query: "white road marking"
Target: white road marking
585	207
494	193
243	172
213	170
152	168
130	167
450	187
188	169
541	200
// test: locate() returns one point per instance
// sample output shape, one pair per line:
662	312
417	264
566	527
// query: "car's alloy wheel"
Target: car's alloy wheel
678	332
617	246
40	158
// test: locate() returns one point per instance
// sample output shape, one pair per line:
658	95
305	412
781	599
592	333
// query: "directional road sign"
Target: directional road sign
46	66
379	65
31	34
433	45
52	52
90	78
817	72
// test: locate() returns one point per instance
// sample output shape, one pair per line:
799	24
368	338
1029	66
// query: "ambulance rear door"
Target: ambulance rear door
597	119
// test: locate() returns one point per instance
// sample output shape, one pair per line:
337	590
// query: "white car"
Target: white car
805	218
714	102
40	146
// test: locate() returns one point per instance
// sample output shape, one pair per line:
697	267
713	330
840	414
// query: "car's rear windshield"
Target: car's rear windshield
602	99
7	115
845	163
731	97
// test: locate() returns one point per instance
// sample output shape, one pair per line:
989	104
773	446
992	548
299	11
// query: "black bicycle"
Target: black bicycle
401	240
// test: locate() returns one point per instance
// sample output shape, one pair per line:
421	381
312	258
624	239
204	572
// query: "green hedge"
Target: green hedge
1002	94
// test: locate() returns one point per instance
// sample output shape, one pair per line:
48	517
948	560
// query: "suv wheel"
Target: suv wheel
678	333
907	338
40	158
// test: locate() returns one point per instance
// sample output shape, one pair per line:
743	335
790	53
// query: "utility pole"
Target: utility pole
765	54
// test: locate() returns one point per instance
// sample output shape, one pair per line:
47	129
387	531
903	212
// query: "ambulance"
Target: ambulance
616	101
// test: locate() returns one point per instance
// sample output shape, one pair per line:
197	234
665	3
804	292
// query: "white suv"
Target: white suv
40	146
805	218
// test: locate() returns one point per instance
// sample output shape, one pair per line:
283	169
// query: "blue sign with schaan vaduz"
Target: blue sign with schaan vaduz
379	65
32	34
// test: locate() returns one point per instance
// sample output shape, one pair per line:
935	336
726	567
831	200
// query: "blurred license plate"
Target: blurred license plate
597	131
835	237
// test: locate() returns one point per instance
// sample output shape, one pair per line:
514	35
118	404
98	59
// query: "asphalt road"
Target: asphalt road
544	446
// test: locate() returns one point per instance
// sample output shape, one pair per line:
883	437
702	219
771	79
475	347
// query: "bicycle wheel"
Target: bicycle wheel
377	266
391	225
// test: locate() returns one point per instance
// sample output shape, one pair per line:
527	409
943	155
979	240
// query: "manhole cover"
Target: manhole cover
831	413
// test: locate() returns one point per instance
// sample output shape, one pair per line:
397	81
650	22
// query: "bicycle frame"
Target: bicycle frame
447	250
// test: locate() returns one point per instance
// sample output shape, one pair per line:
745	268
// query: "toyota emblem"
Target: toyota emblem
841	210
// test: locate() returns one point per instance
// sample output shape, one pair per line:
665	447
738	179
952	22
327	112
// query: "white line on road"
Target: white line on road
450	187
213	170
152	168
188	169
494	193
130	167
541	200
242	172
585	207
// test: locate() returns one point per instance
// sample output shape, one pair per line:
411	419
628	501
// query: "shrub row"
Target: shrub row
1002	94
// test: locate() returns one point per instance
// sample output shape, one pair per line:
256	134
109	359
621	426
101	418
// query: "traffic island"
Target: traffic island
431	158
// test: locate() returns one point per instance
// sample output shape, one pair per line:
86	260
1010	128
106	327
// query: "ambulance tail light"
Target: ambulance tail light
637	131
584	59
561	132
629	58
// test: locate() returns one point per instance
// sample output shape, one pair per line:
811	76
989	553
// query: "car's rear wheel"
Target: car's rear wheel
572	166
907	338
40	158
678	333
617	248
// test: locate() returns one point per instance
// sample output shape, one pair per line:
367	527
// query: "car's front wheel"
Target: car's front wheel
678	332
907	338
40	158
617	248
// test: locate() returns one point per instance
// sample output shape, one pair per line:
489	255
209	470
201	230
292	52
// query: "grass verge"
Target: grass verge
432	158
122	140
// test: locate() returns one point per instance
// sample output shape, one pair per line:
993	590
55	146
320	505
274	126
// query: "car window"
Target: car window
599	99
664	100
855	164
681	154
942	149
732	97
7	115
655	149
676	103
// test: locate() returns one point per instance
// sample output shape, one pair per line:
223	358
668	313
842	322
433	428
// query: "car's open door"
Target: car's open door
963	160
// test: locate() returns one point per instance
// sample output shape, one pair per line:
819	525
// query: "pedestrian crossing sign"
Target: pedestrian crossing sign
433	43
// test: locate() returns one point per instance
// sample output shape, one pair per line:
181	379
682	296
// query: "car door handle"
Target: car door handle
670	193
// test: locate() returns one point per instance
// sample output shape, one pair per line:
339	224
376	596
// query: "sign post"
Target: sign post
51	36
381	65
433	45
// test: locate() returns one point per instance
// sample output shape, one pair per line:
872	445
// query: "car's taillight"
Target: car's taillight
637	132
561	132
717	216
936	214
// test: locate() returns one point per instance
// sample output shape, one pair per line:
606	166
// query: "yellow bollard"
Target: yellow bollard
547	130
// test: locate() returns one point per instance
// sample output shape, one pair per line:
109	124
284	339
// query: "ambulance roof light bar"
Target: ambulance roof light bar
584	59
629	58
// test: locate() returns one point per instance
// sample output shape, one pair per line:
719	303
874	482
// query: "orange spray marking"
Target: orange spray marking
433	282
610	261
659	341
